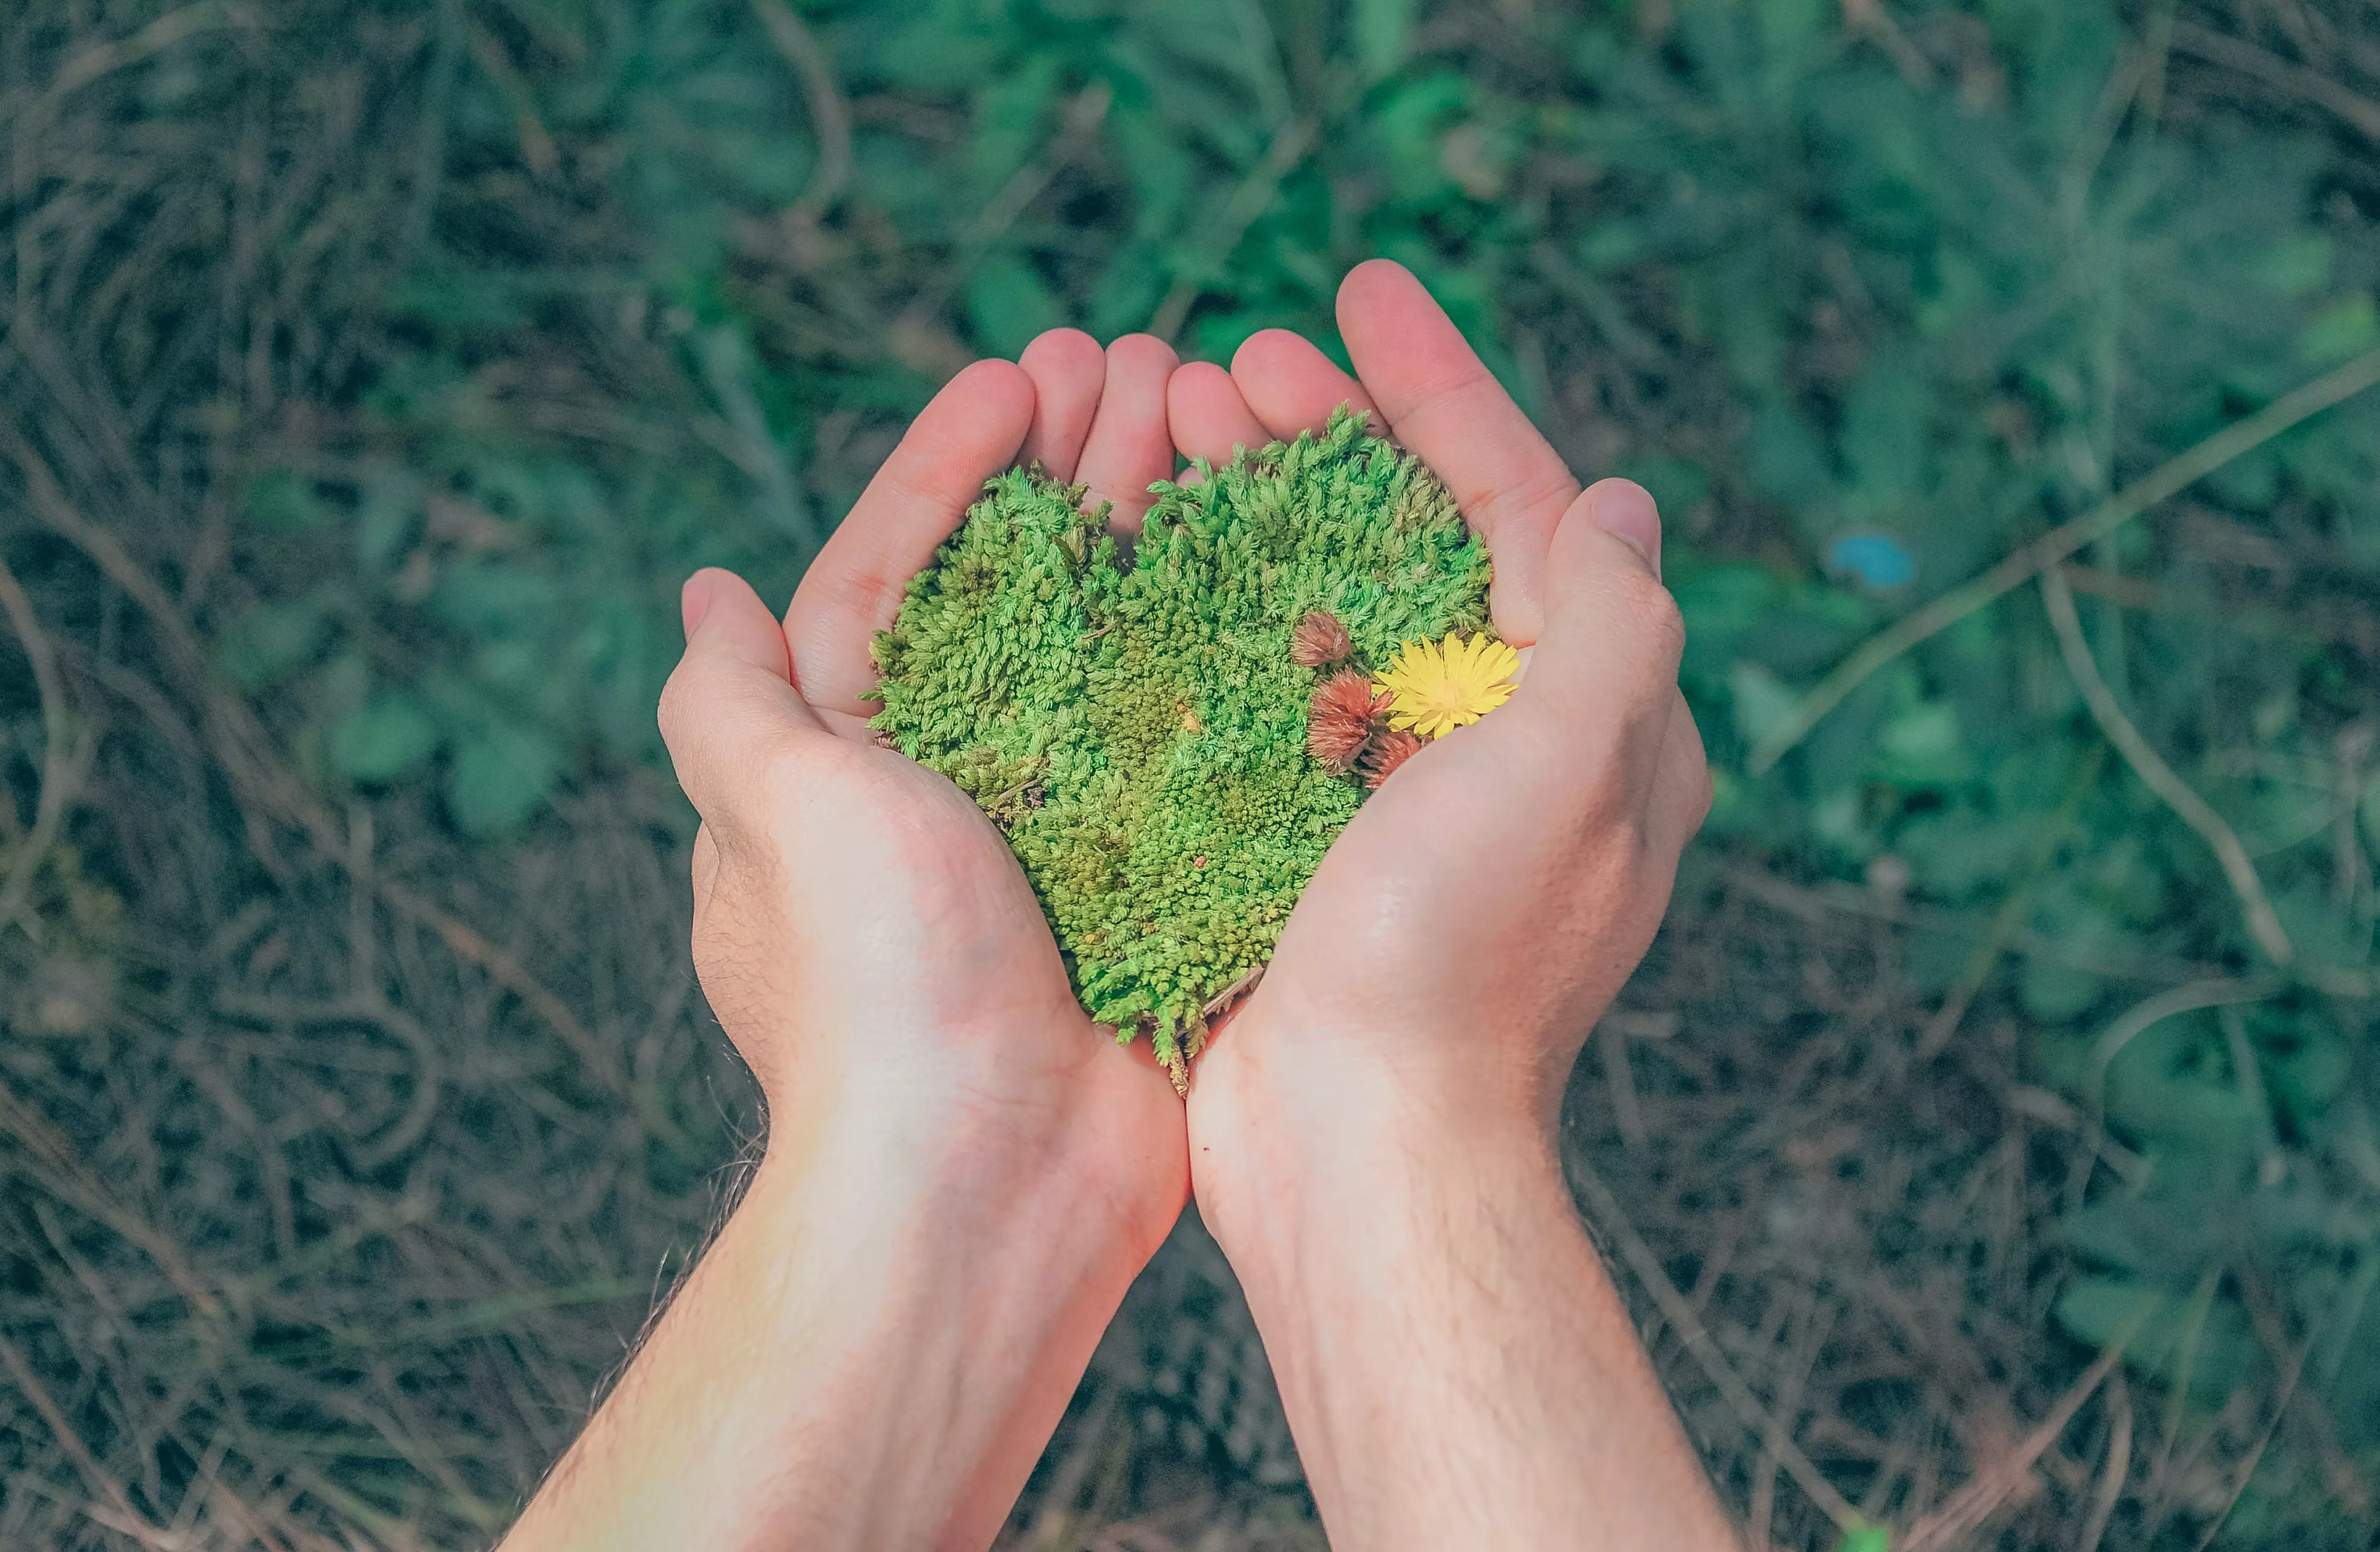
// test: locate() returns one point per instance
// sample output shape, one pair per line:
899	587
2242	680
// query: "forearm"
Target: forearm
1456	1366
852	1366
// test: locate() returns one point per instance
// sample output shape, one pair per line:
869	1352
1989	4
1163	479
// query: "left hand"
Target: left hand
962	1175
863	932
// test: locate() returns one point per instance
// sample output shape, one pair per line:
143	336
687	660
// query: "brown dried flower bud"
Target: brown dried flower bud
1320	638
1385	751
1339	719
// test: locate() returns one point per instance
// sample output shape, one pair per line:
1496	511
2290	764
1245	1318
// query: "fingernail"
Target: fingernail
1624	510
693	603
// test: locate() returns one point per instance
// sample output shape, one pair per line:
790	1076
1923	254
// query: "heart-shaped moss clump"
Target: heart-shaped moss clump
1136	722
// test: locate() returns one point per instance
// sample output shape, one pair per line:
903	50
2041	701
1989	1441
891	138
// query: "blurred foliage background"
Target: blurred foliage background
1990	1140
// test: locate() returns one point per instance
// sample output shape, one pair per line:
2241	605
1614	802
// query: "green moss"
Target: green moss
1135	723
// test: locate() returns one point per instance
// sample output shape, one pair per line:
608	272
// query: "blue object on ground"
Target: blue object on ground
1877	559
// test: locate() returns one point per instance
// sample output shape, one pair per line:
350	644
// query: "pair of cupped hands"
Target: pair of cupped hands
871	947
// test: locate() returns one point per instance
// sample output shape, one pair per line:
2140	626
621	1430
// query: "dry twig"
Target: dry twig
830	115
2159	777
2324	92
2168	480
2119	1467
58	757
1249	201
1969	1508
1613	1220
94	1475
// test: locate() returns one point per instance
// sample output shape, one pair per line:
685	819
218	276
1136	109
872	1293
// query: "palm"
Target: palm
1395	895
923	880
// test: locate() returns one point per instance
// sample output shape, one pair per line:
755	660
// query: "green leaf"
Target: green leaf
1383	34
1787	461
1012	108
490	602
2054	991
1609	244
2347	329
2307	1062
285	499
1790	25
271	641
2296	266
1411	120
1009	302
386	526
499	778
1954	853
2199	1339
2173	1085
1921	744
1679	485
1884	436
1762	700
1867	1538
384	739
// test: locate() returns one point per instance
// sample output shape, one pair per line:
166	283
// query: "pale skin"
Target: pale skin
962	1176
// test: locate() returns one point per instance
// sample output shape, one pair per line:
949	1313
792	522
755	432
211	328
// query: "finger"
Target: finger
1439	401
1129	446
1626	511
1206	416
1607	664
730	707
1067	368
970	432
1291	386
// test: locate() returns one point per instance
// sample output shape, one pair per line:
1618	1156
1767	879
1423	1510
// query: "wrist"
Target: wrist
1295	1180
926	1322
881	1362
942	1186
990	1142
1344	1128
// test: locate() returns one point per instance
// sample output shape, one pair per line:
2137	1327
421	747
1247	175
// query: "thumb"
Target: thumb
1612	637
730	707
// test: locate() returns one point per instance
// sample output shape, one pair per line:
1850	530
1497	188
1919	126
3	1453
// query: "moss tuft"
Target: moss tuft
1136	723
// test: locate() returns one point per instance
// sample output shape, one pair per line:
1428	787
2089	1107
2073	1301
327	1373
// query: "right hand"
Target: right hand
1464	932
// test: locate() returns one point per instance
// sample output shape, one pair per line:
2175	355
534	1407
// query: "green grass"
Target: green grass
373	373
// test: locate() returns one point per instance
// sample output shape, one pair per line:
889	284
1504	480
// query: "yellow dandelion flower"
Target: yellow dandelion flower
1435	687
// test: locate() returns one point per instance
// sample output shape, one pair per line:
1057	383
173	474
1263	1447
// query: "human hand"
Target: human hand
862	930
1468	926
1372	1132
962	1175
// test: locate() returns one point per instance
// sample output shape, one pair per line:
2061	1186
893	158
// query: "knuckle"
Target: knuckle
1649	620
